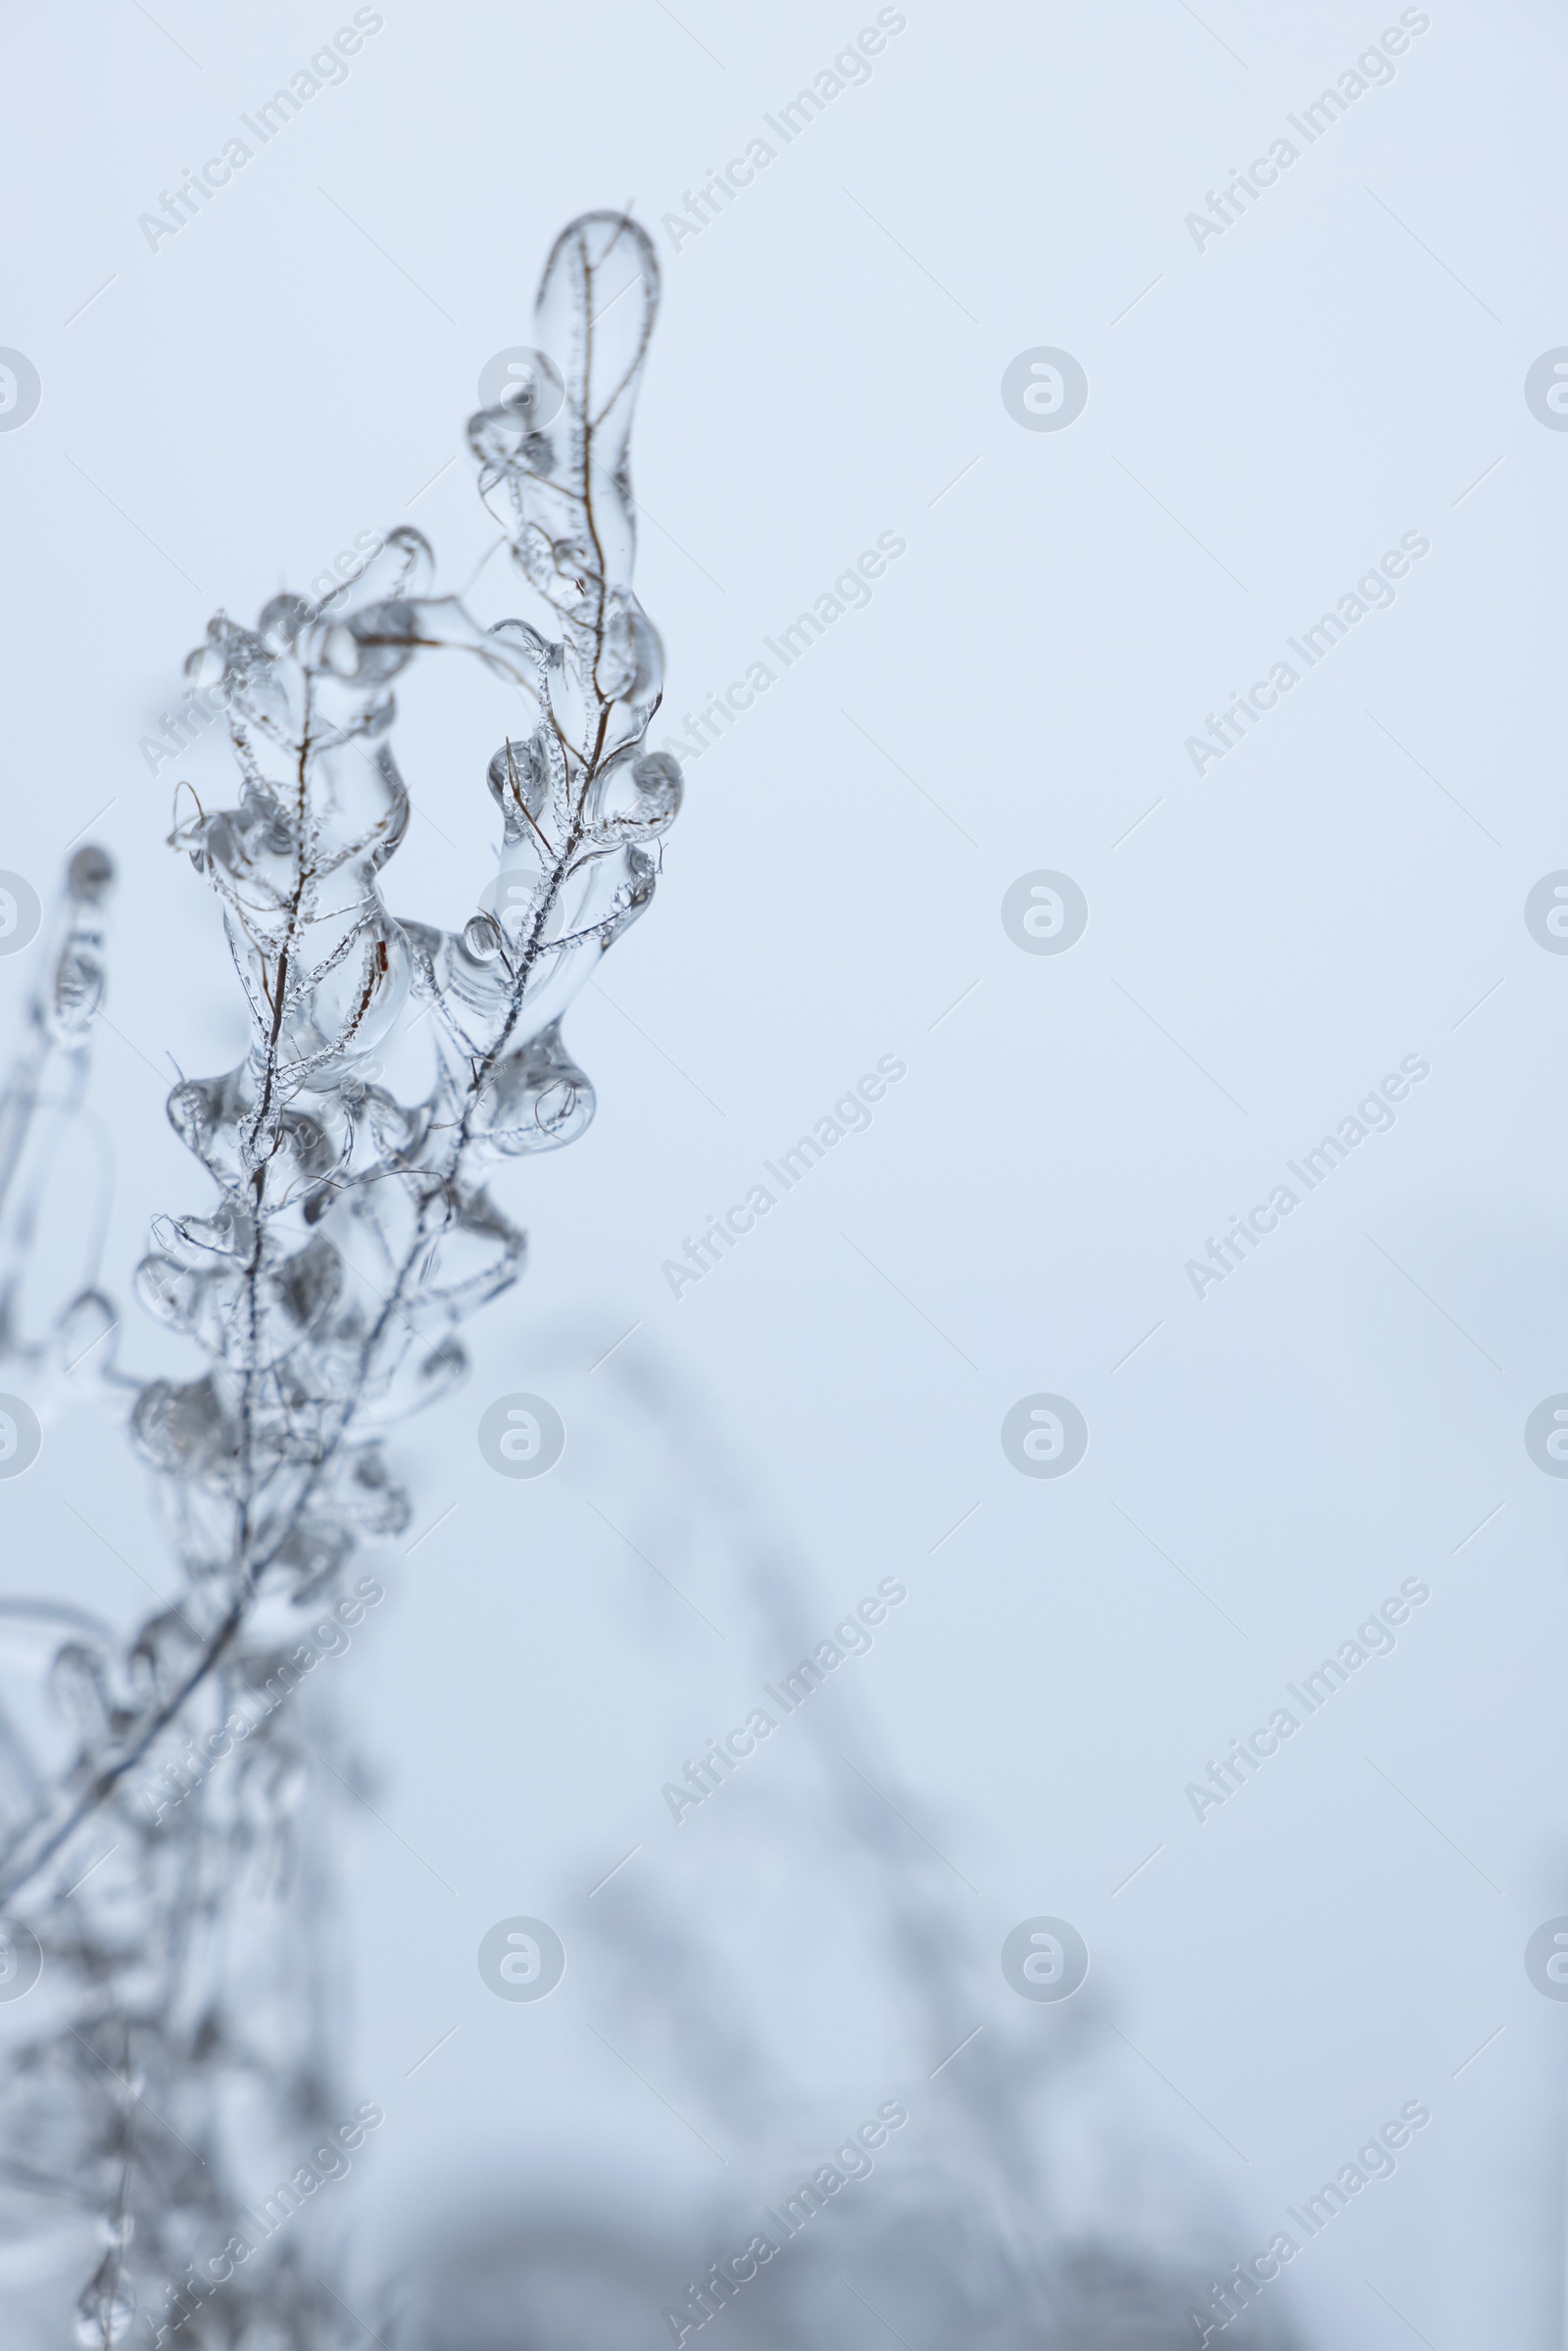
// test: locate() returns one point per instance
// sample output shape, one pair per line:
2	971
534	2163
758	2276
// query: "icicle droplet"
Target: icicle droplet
508	444
520	777
310	1553
78	991
483	938
534	1099
79	1685
444	1368
90	875
371	1492
170	1292
229	1232
404	568
229	654
630	666
104	2316
397	1128
208	1114
84	1335
295	1148
384	635
637	797
281	621
180	1430
305	1286
164	1652
523	638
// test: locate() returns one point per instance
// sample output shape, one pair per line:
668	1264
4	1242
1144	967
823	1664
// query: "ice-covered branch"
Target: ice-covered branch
270	1462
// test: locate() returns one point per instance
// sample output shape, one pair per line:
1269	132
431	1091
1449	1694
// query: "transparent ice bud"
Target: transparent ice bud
280	622
522	639
384	635
90	875
170	1292
182	1430
403	568
306	1285
213	1117
378	1504
630	665
520	776
313	1550
230	652
536	1100
612	890
509	442
444	1368
637	797
483	938
78	991
207	1119
104	2316
398	1130
230	1231
480	1253
79	1685
165	1652
267	826
86	1329
296	1148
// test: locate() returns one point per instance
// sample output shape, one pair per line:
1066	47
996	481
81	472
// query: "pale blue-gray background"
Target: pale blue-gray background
1337	370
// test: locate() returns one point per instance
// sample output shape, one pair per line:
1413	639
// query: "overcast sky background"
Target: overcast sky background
1267	416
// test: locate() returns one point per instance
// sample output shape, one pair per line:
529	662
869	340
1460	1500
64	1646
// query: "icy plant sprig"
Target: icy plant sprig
352	1231
268	1462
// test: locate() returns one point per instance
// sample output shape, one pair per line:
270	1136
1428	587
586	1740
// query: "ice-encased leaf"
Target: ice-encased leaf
636	796
536	1100
594	315
183	1429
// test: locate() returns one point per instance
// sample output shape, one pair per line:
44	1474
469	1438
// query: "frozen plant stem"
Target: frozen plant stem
270	1466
